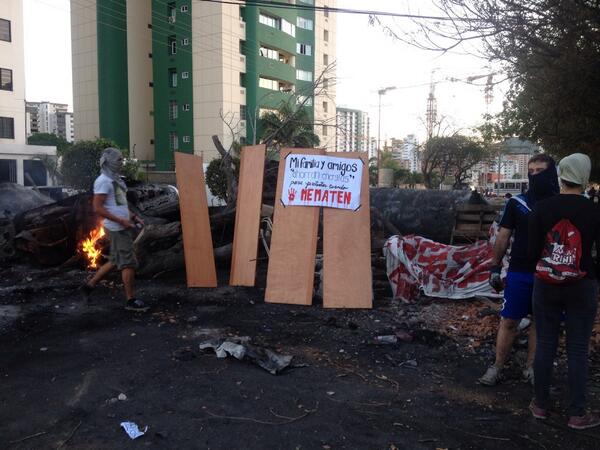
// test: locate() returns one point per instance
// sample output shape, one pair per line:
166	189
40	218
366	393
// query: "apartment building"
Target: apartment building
47	117
353	130
19	163
12	73
166	75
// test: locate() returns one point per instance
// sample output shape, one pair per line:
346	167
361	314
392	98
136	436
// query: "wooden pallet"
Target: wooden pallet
473	222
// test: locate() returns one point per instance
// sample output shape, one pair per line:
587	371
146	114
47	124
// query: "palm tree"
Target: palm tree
288	127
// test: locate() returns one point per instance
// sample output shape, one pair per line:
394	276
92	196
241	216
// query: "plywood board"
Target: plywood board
291	272
247	216
347	276
195	225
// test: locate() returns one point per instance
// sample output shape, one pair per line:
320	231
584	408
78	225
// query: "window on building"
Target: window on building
172	45
268	21
172	77
173	110
326	11
304	23
324	130
242	79
304	49
242	112
8	170
186	139
34	173
185	75
7	128
184	8
5	34
268	53
242	44
6	80
288	28
304	100
186	106
171	11
308	2
185	41
173	141
267	83
304	75
324	106
325	59
326	35
325	83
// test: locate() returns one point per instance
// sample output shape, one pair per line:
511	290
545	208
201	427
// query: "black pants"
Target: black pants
579	300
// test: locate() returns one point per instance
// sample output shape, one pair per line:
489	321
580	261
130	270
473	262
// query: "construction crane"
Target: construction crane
431	114
488	91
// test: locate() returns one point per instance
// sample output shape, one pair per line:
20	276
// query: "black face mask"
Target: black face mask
543	184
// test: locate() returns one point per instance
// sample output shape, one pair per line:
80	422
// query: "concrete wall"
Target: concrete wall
22	152
85	69
139	67
217	64
325	119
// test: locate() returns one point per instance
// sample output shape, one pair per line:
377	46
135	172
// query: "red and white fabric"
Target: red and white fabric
418	265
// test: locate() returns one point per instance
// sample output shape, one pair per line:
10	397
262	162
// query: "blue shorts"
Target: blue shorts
518	295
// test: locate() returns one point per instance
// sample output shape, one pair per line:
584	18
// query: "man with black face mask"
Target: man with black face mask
543	183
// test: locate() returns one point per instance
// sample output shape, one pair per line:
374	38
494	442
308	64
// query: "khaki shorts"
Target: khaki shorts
121	249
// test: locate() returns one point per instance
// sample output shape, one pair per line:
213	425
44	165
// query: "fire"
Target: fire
89	248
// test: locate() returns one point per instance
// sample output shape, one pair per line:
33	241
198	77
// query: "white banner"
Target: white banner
314	180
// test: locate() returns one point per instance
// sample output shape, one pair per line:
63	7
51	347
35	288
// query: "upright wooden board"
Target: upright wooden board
195	225
291	272
347	276
247	216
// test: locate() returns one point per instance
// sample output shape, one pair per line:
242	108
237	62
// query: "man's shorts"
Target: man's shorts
518	294
121	249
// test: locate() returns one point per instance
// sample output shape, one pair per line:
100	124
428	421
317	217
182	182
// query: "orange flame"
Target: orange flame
89	248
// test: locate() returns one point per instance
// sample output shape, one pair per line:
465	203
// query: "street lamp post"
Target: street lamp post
381	93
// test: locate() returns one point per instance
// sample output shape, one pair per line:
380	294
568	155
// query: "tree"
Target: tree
550	52
453	156
216	175
467	153
81	163
49	139
289	127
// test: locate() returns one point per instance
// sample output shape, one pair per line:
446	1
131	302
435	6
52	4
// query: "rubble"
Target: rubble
241	348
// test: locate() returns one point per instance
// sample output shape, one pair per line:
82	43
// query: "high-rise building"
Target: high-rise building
160	76
12	73
19	162
47	117
353	130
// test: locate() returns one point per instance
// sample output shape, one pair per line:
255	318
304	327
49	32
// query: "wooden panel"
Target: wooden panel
195	224
347	277
247	216
291	272
468	217
467	207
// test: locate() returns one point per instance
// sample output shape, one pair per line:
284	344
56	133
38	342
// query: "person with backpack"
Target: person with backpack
562	231
543	183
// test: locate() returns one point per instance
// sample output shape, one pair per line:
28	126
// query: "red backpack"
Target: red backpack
561	255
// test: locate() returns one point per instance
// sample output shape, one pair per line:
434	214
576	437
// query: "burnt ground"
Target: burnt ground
64	363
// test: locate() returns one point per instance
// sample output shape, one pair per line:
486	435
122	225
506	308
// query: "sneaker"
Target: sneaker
86	290
583	422
528	375
134	304
537	412
491	377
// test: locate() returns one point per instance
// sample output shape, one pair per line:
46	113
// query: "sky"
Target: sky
367	60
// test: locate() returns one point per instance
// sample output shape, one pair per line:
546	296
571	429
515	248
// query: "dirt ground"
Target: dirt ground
64	364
